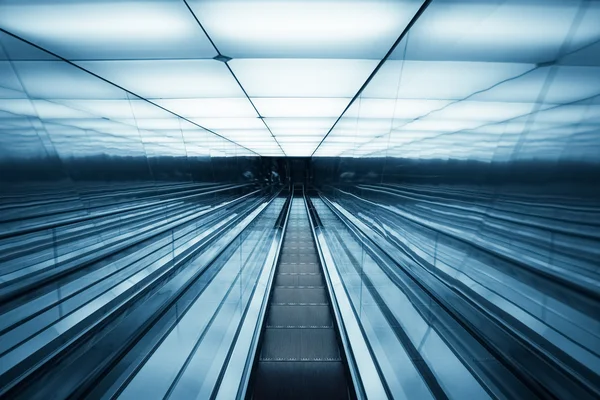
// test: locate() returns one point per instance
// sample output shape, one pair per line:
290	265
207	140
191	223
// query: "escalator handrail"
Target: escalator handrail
235	381
365	375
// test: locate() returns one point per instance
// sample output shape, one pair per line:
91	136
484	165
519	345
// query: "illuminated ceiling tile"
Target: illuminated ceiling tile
393	108
354	124
255	134
302	77
53	110
294	132
299	149
117	109
484	111
300	107
298	139
229	123
568	84
210	108
580	114
19	107
149	123
574	84
430	124
441	80
305	29
58	80
107	29
507	31
170	79
299	123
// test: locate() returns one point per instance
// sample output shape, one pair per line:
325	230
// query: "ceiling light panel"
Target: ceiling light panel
229	123
305	29
59	80
169	79
294	132
441	80
567	84
301	107
302	77
498	31
209	108
284	140
438	125
299	123
484	111
255	134
393	108
8	78
108	29
117	109
299	150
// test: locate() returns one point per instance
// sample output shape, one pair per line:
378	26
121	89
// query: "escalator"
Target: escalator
299	355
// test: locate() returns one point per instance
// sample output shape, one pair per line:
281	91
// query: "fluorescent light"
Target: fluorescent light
513	31
300	107
109	29
393	108
310	29
484	111
169	79
118	109
299	123
229	123
300	140
254	134
430	124
439	80
52	110
302	77
21	107
347	140
151	124
210	108
59	80
291	133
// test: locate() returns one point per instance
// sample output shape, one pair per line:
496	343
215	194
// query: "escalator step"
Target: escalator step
298	268
299	316
296	295
300	380
300	344
299	280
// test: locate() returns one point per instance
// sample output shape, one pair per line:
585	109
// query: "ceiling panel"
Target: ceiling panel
108	29
520	31
58	80
300	107
171	79
470	73
229	123
302	77
305	29
210	108
441	80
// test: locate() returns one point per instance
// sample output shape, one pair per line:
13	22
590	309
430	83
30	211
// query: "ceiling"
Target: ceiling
485	80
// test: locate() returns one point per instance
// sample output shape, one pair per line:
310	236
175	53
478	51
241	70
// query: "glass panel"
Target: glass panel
108	30
318	29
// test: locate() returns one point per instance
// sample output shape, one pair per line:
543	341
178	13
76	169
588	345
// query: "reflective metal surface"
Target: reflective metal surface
477	295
